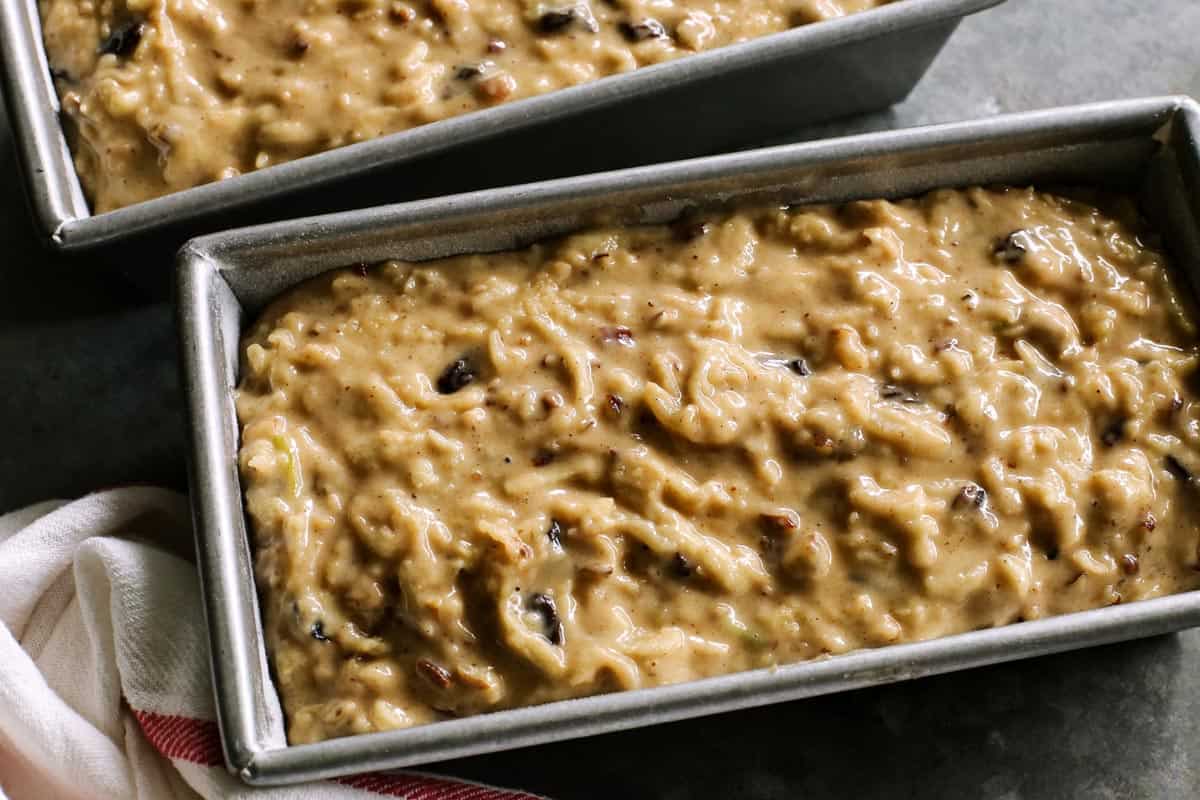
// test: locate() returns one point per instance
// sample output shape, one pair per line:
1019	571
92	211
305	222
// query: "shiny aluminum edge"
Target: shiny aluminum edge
1148	146
880	36
33	112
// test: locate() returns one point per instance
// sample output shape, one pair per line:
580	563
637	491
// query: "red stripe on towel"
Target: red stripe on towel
182	738
199	741
415	786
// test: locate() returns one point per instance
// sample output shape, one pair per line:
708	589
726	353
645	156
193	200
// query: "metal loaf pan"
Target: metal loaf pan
736	95
1146	147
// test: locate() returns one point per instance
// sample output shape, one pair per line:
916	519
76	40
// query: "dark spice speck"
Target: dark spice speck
615	404
553	21
681	567
1011	249
971	496
438	675
1114	433
318	631
780	522
618	334
800	367
401	15
559	19
543	605
460	373
640	31
554	534
1177	469
891	392
123	39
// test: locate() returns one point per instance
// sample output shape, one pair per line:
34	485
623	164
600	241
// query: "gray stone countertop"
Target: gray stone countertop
89	398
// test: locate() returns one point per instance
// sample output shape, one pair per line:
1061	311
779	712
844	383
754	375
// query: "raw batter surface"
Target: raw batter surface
164	95
638	456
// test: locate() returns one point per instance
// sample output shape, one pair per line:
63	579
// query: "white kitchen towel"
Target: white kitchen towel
104	683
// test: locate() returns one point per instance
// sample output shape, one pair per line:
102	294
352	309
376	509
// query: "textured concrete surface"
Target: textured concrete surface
89	398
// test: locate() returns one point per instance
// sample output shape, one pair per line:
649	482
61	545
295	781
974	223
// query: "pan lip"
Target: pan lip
599	714
212	264
63	213
1131	114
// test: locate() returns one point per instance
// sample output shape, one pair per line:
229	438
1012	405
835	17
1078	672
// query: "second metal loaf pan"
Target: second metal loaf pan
731	96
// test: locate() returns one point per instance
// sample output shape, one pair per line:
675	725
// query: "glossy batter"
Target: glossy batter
645	455
163	95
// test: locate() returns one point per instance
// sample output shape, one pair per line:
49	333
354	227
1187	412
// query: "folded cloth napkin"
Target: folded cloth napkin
104	684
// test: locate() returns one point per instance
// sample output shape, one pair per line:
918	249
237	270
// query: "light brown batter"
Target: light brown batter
164	95
645	455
